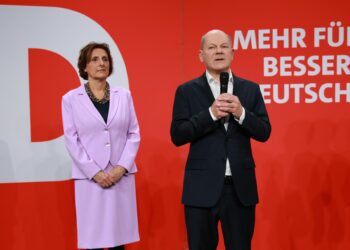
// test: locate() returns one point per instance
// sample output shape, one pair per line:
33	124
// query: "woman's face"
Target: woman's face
98	66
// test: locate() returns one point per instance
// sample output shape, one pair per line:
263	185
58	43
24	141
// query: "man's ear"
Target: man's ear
200	55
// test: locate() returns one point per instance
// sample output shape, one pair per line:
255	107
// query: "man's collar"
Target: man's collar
211	78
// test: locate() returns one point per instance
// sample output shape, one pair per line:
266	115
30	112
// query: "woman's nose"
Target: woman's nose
101	61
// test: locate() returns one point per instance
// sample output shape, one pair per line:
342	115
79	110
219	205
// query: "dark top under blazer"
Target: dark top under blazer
211	144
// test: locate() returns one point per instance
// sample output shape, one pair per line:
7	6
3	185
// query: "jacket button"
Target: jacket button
107	144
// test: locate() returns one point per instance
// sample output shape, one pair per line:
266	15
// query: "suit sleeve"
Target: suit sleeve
185	126
256	121
75	149
127	159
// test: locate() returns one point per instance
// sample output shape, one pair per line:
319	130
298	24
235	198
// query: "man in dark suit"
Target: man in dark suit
219	182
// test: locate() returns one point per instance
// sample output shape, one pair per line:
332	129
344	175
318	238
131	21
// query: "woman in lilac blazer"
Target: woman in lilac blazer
102	137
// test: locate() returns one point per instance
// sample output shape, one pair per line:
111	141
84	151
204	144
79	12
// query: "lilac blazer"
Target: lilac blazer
92	143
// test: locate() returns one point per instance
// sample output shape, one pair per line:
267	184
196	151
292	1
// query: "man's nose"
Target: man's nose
218	50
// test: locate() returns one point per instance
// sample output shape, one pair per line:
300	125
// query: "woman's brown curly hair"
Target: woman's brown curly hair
85	57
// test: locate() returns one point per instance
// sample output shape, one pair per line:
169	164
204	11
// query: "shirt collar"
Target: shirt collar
211	79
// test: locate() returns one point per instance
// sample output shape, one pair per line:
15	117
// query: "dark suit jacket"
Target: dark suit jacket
211	144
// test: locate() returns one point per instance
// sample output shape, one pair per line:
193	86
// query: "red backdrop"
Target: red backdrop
303	170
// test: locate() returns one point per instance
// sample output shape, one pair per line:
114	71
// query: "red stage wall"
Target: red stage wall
294	49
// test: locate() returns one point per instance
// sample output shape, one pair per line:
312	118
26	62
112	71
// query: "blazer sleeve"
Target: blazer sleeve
75	149
256	121
128	156
186	127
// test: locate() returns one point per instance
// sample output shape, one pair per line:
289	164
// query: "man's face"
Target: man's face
217	52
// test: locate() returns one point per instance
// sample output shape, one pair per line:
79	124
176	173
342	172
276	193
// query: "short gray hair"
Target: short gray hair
212	31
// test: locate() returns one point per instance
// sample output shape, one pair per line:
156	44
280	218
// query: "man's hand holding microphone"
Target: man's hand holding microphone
226	103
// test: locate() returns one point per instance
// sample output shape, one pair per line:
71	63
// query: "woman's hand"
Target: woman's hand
117	173
103	179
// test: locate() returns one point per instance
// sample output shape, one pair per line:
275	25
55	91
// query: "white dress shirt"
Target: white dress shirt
215	89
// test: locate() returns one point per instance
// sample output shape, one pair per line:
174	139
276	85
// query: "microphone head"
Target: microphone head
223	82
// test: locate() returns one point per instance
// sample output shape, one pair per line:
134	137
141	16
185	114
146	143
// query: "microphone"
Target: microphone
223	88
223	82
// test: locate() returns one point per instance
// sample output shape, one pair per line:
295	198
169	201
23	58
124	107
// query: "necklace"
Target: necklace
105	97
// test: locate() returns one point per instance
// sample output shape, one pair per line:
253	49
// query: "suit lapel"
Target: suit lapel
86	101
206	91
113	105
209	97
